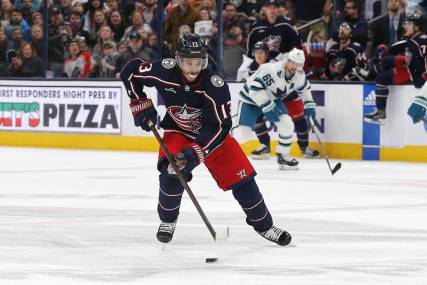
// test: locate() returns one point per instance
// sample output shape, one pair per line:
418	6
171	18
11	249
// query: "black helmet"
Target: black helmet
262	46
417	19
191	46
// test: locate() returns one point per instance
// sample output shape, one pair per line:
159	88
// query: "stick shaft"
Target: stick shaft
182	180
321	144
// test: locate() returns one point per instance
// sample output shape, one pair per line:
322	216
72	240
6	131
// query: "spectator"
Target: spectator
208	34
17	39
91	6
99	20
104	35
149	7
344	56
57	48
184	30
111	5
77	6
358	25
388	28
37	19
18	21
66	8
37	4
122	48
107	62
136	50
77	29
76	64
236	30
36	39
137	24
230	18
249	8
309	10
232	56
14	64
3	49
6	12
27	10
56	23
283	10
153	44
31	63
182	14
117	25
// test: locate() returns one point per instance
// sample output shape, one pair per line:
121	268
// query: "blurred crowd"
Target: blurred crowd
95	38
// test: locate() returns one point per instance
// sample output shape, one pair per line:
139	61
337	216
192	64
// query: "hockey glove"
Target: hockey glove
271	111
188	159
417	110
143	111
309	110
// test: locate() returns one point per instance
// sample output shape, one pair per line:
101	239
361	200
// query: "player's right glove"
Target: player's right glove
271	111
309	110
418	108
143	111
188	159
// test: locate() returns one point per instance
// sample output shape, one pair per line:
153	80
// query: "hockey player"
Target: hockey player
279	33
293	103
196	130
263	94
414	60
342	57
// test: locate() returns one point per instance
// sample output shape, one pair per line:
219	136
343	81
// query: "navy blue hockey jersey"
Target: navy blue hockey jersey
200	110
341	60
415	52
280	37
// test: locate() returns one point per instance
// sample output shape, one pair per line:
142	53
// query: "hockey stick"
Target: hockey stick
184	183
338	166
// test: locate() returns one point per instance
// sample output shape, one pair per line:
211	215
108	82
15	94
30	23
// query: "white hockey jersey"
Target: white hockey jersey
269	83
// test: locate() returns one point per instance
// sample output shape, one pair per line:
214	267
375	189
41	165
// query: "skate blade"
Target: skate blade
288	167
260	157
376	122
311	157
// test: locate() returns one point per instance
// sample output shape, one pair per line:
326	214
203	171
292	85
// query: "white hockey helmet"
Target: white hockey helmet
297	56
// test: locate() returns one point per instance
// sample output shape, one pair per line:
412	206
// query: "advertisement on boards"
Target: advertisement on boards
76	109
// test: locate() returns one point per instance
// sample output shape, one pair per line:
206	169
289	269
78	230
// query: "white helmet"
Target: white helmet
297	56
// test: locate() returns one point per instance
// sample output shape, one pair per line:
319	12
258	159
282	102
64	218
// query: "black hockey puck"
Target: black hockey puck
211	259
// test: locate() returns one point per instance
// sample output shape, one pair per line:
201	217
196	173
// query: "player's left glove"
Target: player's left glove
309	110
188	159
418	108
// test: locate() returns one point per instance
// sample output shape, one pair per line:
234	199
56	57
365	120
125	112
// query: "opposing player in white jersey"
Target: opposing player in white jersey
263	93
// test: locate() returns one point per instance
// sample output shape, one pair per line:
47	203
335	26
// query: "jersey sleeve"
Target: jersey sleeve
216	118
138	73
302	86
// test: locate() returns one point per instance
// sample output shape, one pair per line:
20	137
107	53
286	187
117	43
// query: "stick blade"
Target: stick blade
222	234
336	168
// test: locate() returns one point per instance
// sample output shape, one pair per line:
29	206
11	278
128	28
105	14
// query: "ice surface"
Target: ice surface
89	217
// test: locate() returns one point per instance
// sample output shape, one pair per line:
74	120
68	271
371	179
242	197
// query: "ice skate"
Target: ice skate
376	117
311	153
165	231
262	152
287	162
277	235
